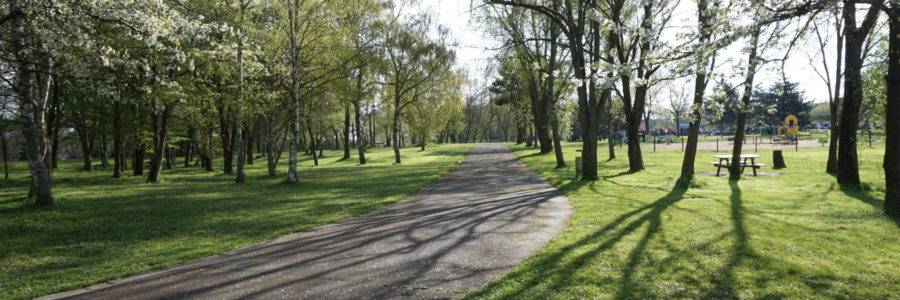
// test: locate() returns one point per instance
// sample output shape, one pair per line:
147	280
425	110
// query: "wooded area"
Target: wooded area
620	51
133	81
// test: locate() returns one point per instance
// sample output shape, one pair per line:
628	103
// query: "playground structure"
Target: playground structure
789	132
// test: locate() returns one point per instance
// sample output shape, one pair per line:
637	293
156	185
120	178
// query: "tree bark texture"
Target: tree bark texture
31	107
690	151
835	109
734	170
892	124
848	159
346	132
159	121
360	135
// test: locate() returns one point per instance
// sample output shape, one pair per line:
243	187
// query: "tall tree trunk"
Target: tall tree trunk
295	145
633	123
346	132
189	148
293	13
87	146
557	144
536	144
271	148
422	143
159	119
203	150
401	140
240	177
611	134
589	105
360	135
226	132
337	136
542	131
835	109
551	97
696	113
32	106
539	118
170	159
5	148
249	140
395	134
734	170
258	138
104	150
633	113
520	133
53	120
124	156
313	143
137	168
892	118
373	136
634	106
848	161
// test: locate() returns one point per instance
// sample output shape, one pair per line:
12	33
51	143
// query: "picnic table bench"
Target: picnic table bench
725	161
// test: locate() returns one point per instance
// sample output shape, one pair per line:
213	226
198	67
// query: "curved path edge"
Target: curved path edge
457	234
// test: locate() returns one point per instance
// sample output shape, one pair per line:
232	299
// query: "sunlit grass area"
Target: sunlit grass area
633	235
103	228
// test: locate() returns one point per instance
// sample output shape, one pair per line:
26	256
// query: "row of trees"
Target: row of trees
155	78
768	106
614	53
205	79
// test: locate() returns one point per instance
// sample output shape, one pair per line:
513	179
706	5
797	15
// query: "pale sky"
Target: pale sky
474	54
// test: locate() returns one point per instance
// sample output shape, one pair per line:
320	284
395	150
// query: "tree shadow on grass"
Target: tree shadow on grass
724	285
859	192
574	184
422	232
559	267
629	288
14	200
109	218
445	152
623	173
535	154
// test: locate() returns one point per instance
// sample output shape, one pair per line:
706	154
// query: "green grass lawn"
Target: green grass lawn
101	228
633	235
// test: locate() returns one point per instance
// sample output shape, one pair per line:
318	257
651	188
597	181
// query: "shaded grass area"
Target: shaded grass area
101	228
634	236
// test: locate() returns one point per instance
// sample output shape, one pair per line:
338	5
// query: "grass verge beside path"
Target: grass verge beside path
102	228
634	236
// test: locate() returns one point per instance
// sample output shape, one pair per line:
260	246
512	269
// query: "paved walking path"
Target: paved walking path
467	229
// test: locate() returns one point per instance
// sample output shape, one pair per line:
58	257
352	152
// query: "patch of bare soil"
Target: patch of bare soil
750	174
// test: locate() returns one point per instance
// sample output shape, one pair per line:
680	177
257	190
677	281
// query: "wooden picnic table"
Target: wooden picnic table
725	161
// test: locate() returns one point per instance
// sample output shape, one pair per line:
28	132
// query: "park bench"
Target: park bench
749	161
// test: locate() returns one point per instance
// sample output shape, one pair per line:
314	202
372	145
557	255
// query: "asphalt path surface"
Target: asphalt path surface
458	234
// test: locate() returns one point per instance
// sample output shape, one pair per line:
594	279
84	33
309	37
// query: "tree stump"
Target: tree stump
778	159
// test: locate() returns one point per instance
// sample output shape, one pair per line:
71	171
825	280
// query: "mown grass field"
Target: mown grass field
635	236
102	228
